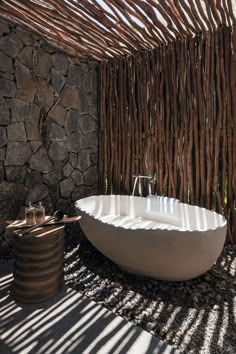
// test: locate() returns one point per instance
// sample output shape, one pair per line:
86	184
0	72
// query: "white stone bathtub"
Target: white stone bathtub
154	236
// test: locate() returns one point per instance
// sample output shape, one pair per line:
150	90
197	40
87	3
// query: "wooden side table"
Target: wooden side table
39	264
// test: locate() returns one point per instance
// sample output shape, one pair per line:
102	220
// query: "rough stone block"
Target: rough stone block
32	122
7	88
3	136
58	80
35	144
37	193
66	187
67	169
83	102
33	179
40	161
44	92
83	192
72	121
58	151
4	112
1	172
25	82
2	153
58	114
60	62
16	132
74	75
91	176
10	45
25	36
52	178
4	27
27	56
83	160
70	97
15	174
6	63
77	177
20	110
73	159
12	197
43	64
57	133
17	153
87	124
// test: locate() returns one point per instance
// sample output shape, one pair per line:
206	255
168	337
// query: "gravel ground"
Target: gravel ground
197	316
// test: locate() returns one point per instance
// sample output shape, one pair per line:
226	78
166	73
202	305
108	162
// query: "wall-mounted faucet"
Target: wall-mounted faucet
138	180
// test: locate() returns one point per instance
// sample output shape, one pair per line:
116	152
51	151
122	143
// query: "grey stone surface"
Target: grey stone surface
52	178
40	161
83	160
32	122
2	153
7	88
17	153
44	92
83	102
73	159
28	56
6	64
77	177
20	110
70	97
24	36
33	178
60	62
72	121
37	193
57	133
58	151
12	196
15	174
43	64
83	192
4	112
3	136
74	75
4	27
35	144
87	124
66	187
58	80
16	132
10	45
45	98
91	176
25	82
1	172
67	169
58	114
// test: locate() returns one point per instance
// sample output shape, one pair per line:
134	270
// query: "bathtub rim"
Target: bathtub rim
182	230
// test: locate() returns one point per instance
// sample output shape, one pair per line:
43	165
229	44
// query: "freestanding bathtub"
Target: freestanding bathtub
154	236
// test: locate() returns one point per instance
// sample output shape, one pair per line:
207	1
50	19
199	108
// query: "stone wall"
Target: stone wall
48	125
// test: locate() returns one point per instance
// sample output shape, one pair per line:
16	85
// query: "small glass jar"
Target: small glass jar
39	213
30	215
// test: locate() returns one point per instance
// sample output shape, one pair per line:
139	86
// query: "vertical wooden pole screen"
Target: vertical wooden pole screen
170	112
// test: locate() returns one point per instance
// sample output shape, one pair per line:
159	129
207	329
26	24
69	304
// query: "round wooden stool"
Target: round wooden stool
39	264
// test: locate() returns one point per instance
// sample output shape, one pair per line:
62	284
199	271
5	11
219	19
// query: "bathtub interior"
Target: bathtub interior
153	212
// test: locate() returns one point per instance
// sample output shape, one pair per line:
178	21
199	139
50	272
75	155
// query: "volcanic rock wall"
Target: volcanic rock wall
48	125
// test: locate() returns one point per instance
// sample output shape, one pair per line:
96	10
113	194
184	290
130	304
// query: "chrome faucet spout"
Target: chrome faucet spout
138	180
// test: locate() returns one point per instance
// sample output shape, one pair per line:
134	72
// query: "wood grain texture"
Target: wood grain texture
175	119
39	264
103	30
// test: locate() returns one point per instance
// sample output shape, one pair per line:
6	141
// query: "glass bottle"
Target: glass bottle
30	215
39	213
